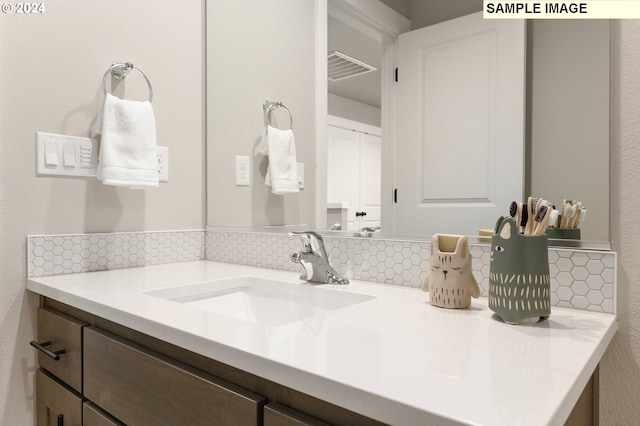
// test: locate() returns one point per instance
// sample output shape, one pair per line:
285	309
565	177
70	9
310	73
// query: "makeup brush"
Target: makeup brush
515	210
553	218
581	215
542	217
575	218
525	217
531	207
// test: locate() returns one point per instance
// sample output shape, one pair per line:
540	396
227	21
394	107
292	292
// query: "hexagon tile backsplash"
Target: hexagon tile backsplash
581	279
64	254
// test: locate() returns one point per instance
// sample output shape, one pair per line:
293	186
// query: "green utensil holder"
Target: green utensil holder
519	282
564	233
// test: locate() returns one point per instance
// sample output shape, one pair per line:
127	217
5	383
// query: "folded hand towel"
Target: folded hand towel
282	173
128	155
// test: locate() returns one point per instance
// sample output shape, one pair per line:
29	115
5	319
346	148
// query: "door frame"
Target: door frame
382	23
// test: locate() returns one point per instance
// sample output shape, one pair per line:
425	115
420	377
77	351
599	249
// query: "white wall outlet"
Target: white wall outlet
300	175
243	177
163	163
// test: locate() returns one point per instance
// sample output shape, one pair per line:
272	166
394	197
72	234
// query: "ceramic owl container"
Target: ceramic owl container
450	281
519	283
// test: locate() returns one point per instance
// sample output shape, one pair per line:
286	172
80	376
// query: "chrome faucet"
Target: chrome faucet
367	231
315	261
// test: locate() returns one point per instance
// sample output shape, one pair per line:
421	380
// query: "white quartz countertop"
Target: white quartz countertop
394	357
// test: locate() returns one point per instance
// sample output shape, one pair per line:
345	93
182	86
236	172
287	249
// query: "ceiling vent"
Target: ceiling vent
342	66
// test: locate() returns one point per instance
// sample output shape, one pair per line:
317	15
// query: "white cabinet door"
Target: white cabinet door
370	179
459	142
343	173
353	175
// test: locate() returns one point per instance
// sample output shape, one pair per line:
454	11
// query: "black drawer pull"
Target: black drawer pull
42	348
60	420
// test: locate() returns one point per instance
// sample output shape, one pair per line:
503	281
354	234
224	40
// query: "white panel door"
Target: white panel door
343	170
354	175
459	141
370	179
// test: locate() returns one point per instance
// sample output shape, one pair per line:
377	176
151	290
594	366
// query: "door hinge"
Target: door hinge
395	195
396	74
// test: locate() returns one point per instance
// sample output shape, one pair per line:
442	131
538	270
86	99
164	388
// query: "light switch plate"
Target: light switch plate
65	155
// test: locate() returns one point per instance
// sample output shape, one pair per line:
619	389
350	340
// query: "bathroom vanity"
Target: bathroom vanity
154	345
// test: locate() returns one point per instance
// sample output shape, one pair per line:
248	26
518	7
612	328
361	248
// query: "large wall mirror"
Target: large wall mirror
259	51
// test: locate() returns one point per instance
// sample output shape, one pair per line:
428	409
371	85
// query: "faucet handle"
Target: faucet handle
308	234
369	229
315	261
312	241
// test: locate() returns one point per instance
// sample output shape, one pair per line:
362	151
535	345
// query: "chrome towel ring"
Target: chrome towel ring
269	106
120	71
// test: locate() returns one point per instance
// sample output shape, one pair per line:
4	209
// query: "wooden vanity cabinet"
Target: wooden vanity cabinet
56	403
92	415
279	415
587	408
62	334
100	379
59	378
138	386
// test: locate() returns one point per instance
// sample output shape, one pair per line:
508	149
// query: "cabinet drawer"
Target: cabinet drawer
279	415
63	333
55	404
93	416
138	386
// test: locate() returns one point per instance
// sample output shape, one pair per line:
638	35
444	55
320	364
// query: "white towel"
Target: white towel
128	154
282	173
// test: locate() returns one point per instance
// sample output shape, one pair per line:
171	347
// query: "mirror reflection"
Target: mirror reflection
566	109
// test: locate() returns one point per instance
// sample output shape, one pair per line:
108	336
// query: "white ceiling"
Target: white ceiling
364	88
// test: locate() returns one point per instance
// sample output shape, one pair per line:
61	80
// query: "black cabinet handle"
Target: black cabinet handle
51	354
358	214
60	420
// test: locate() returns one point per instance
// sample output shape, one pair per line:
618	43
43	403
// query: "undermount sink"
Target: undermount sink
260	300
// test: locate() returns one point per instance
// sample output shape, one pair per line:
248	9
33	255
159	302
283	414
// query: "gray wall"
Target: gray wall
568	123
400	6
51	68
620	368
423	13
258	50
